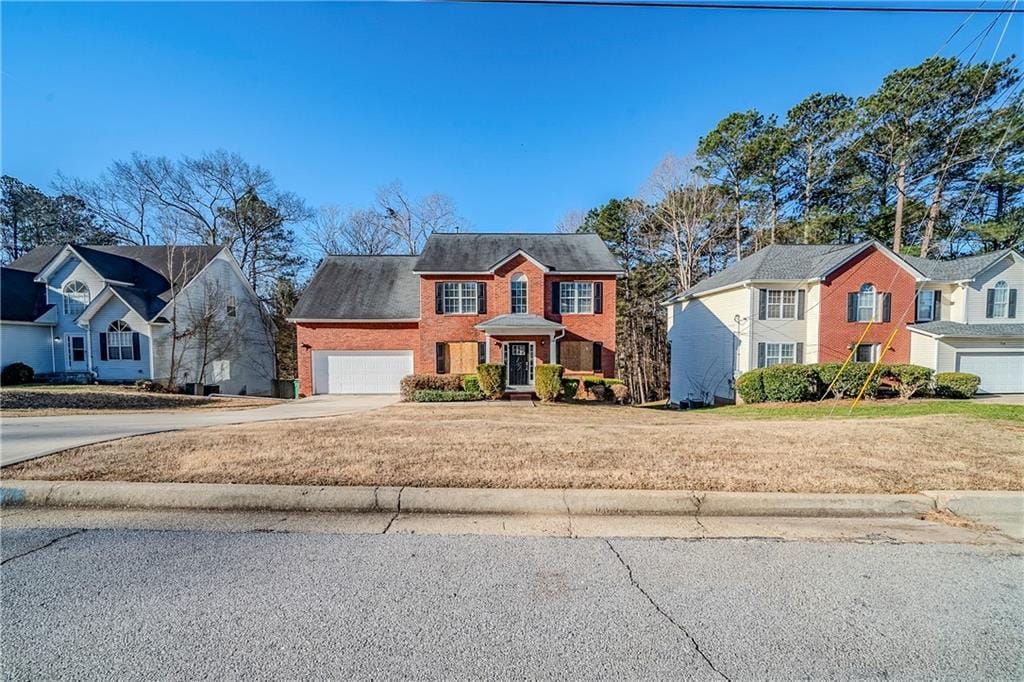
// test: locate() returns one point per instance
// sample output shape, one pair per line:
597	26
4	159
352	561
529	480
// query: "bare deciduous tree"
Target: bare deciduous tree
570	222
336	230
412	220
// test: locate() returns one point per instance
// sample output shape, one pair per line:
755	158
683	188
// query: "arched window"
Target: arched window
867	303
119	341
76	297
1000	299
519	300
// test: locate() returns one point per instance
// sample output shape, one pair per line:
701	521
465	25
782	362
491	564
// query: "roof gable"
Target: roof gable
484	252
958	269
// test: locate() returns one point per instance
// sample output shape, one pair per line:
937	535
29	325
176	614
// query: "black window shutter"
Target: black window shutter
598	297
916	307
1011	308
851	306
886	307
481	298
801	300
481	352
762	305
760	355
439	354
937	310
598	348
990	300
103	345
556	298
136	347
439	298
799	353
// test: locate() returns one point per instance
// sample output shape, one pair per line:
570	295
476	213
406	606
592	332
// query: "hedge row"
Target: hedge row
796	383
431	396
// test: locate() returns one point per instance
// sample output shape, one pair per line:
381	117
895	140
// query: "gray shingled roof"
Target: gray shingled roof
518	321
779	262
581	252
958	269
946	328
21	299
148	269
361	288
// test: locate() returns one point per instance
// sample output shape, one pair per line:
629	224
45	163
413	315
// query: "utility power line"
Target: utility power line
673	4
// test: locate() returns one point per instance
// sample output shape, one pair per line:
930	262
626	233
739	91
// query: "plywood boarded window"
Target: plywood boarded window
576	356
462	357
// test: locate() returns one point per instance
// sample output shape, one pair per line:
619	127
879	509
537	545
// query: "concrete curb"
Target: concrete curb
217	496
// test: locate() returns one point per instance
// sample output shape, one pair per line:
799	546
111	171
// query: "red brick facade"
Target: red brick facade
421	337
836	335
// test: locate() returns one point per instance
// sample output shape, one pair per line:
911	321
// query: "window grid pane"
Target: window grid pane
519	296
568	302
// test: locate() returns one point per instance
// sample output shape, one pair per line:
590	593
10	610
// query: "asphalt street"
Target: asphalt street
188	604
25	438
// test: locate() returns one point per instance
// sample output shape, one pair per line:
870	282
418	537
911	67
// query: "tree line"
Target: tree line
931	164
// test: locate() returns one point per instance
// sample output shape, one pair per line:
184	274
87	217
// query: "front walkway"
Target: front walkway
25	438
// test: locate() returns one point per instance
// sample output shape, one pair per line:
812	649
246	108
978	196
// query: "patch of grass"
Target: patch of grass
870	410
557	445
90	399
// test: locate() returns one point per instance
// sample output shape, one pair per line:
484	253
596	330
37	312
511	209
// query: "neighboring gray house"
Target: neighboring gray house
123	313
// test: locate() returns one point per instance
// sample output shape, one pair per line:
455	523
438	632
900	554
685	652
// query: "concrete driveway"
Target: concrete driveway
25	438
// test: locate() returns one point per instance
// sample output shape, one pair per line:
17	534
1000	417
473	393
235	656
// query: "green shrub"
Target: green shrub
590	381
852	378
433	396
429	382
548	381
471	383
750	386
17	373
956	384
492	379
612	382
790	383
909	380
570	387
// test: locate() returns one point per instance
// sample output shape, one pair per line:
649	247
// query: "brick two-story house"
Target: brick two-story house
814	303
364	322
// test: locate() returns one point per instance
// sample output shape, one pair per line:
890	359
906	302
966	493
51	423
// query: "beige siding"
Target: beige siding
950	302
785	331
922	350
708	347
948	348
1009	270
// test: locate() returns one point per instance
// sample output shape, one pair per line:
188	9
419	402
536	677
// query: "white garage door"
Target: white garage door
999	372
378	371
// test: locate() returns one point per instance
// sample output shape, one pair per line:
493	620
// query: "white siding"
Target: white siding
119	370
28	343
709	348
239	356
1010	270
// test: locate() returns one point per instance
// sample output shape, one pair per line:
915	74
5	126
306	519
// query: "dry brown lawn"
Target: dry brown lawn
51	401
581	446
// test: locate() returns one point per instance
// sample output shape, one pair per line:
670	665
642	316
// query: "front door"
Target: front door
518	364
75	344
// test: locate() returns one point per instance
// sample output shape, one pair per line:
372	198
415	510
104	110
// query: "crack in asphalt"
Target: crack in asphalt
44	546
664	614
397	512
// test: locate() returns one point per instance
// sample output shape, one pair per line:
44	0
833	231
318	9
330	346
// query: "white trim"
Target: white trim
1012	254
343	320
33	324
68	361
531	363
487	348
520	252
97	303
886	251
88	345
152	347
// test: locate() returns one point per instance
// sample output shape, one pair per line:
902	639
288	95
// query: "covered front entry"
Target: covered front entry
358	372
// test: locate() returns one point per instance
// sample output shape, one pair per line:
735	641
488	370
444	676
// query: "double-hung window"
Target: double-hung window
781	304
867	303
779	354
232	306
76	297
119	341
460	298
519	301
926	306
866	352
1000	300
577	297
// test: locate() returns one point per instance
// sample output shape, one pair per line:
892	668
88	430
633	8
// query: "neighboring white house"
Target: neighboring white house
812	303
123	313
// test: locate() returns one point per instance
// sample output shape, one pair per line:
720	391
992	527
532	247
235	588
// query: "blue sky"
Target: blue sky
519	113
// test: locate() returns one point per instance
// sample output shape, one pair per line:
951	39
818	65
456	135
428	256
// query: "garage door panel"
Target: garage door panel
360	371
999	372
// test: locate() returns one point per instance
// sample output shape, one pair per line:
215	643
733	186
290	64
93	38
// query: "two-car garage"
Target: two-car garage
360	372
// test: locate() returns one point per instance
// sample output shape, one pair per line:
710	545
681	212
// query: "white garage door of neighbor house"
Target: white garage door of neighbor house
360	371
999	372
